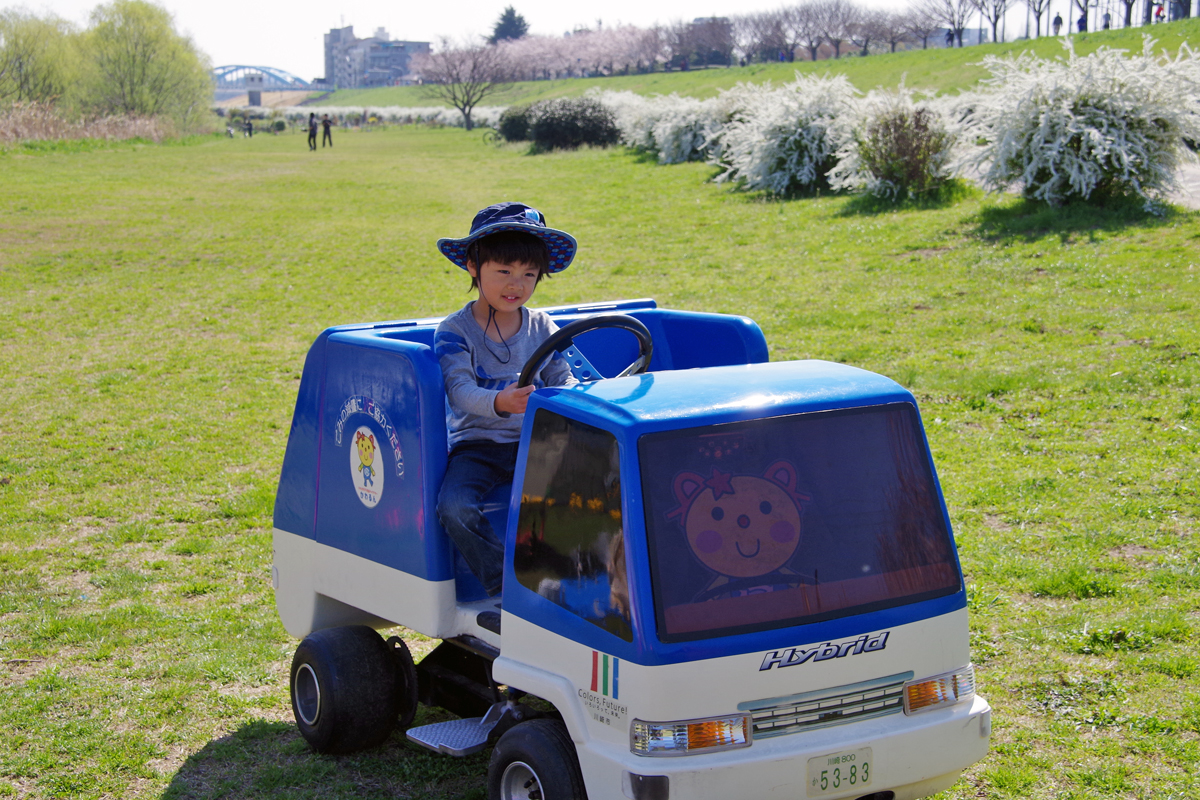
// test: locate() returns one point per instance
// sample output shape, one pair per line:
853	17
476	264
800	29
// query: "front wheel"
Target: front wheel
345	689
535	760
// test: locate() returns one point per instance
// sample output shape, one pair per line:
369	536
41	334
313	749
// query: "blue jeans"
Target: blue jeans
474	469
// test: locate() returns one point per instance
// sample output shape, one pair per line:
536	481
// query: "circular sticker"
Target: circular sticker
365	467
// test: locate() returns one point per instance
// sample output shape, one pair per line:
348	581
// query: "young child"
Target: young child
481	349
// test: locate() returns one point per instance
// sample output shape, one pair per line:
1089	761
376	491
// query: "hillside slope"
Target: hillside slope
939	69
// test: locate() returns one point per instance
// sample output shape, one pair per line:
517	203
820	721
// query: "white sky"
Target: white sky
288	35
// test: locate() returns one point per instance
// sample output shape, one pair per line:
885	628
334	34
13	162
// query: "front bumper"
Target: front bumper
913	756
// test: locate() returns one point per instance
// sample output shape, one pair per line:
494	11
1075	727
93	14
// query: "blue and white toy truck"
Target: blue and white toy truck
724	578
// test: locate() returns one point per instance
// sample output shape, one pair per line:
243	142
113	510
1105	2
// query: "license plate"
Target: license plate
839	772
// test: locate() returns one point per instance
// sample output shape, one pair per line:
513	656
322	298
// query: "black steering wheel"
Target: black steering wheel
563	340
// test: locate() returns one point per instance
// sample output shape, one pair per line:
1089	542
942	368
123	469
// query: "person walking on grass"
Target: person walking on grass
481	348
326	123
1057	23
312	131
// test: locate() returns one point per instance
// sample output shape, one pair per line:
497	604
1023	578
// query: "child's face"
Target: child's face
506	287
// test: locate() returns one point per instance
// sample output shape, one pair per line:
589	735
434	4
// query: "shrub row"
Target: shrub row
1077	128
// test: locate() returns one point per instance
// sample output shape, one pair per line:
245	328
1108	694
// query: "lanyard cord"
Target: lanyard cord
488	342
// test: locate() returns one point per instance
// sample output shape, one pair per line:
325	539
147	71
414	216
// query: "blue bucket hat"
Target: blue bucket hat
560	246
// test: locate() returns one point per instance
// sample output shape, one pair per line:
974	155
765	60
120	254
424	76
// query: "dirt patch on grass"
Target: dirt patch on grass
16	671
994	522
1132	551
924	252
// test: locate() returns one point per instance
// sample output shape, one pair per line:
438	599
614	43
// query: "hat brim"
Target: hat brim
560	246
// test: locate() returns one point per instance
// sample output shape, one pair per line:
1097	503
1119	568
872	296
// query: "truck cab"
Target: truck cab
723	576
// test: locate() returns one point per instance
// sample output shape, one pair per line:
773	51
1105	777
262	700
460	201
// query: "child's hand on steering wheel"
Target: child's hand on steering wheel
512	400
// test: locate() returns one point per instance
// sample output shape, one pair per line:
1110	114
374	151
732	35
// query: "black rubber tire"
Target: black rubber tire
535	760
344	689
406	682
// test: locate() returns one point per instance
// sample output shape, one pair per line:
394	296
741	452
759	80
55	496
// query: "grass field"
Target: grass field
158	303
938	69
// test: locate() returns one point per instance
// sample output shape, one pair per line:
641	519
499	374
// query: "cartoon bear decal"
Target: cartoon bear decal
744	528
365	443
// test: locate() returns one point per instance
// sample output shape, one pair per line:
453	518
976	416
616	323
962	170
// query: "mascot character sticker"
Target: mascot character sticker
745	528
368	479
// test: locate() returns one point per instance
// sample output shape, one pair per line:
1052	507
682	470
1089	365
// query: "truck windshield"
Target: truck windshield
790	520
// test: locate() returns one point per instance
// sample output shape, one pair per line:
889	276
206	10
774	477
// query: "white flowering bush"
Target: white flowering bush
635	116
1086	127
894	146
481	116
674	128
682	131
785	140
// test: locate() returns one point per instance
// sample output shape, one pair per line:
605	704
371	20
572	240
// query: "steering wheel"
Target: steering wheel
563	340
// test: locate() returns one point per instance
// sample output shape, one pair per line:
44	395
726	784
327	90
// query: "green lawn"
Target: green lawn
938	69
158	302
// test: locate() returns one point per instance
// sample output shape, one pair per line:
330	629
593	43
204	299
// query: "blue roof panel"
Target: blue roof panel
690	398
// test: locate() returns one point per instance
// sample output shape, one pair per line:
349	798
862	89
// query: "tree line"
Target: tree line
812	29
128	61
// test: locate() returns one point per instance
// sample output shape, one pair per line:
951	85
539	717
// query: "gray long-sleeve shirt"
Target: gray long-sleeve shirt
475	369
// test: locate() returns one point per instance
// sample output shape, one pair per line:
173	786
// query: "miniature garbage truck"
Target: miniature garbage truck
724	577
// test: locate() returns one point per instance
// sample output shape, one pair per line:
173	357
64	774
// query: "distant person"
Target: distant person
1107	20
312	131
1081	23
1159	14
248	129
327	124
1057	23
950	37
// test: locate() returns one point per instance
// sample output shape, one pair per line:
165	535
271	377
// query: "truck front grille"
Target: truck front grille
839	705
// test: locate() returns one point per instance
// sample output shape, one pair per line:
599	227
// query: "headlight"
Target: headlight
689	736
942	690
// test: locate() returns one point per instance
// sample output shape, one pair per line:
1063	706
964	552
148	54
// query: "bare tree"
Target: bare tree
993	11
712	40
807	26
920	24
744	35
1129	4
1039	7
895	30
951	13
464	74
837	17
679	43
867	27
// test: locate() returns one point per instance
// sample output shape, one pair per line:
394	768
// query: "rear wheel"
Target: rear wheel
344	690
535	760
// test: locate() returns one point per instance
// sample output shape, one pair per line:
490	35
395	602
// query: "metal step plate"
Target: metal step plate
456	737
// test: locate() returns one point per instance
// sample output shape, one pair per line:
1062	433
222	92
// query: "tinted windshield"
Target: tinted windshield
778	522
570	541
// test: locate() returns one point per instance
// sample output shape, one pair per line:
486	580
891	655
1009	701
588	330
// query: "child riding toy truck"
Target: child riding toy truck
723	577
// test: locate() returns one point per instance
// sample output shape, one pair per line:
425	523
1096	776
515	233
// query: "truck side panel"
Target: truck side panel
383	397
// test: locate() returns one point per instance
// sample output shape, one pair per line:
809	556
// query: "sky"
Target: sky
289	35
